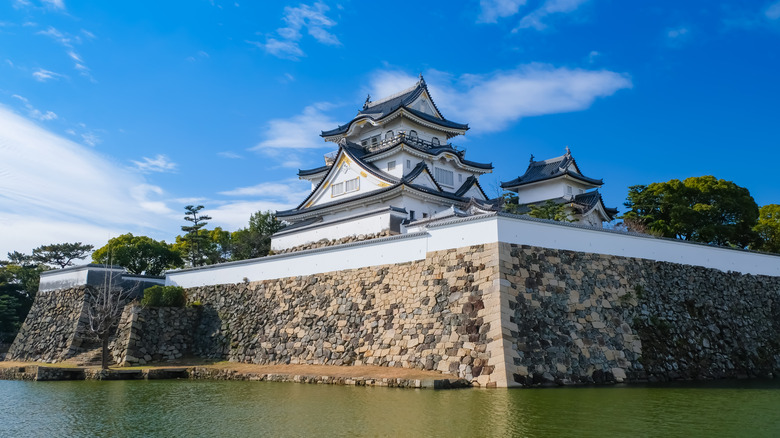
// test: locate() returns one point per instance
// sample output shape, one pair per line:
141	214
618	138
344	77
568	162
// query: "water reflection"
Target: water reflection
203	408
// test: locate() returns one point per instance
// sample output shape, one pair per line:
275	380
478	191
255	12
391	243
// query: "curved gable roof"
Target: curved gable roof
565	165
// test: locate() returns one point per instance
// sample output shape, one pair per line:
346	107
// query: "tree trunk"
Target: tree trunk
104	353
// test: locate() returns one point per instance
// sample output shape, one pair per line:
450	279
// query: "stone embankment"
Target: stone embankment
156	334
438	314
55	328
589	318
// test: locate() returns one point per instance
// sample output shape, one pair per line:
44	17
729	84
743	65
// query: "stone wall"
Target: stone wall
436	314
322	243
588	318
154	335
55	328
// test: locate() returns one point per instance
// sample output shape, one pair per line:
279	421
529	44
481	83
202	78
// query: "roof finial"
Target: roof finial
568	152
368	100
532	158
421	78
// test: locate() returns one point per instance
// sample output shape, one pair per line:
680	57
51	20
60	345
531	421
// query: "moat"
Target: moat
226	408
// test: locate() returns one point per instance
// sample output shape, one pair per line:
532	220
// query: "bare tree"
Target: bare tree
106	303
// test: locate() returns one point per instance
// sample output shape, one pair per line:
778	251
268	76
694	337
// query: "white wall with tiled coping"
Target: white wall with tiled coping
463	232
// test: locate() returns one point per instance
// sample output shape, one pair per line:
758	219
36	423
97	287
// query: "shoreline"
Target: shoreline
317	374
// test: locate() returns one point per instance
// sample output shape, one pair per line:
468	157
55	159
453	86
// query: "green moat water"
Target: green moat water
225	409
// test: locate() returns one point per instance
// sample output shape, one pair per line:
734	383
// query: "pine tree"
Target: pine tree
193	237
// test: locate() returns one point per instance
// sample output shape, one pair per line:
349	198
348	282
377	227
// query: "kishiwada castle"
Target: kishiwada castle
395	169
398	258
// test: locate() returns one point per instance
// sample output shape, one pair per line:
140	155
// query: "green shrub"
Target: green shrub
164	296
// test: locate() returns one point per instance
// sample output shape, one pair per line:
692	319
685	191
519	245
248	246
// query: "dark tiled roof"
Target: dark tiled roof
314	171
588	200
470	181
431	151
384	107
548	169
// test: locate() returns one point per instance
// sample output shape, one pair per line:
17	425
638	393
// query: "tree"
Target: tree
699	209
194	238
509	203
550	210
768	228
255	240
104	310
19	278
139	254
61	254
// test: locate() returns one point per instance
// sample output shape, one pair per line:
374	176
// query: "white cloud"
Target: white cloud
299	131
310	18
34	112
281	49
491	102
228	154
58	36
773	11
677	33
160	163
54	4
535	19
90	138
42	75
289	192
55	190
492	10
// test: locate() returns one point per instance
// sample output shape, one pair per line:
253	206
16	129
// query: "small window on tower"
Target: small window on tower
568	190
374	140
435	141
425	215
460	177
388	135
364	143
413	134
391	165
408	164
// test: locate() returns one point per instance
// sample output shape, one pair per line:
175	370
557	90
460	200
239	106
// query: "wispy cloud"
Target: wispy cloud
159	163
67	41
55	190
228	154
309	18
34	112
772	12
299	131
290	191
491	102
492	10
54	4
42	75
280	195
536	19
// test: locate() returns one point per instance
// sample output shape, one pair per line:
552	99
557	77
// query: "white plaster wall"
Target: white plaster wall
70	277
375	252
540	192
366	225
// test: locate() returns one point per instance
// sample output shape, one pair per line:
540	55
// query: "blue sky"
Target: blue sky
115	115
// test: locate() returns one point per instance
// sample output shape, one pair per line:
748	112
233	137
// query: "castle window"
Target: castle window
568	190
444	176
435	141
374	140
388	135
352	185
460	177
391	165
364	143
408	164
412	134
425	215
411	215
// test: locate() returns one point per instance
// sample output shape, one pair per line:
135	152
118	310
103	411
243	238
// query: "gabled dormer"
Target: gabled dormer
411	112
558	177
